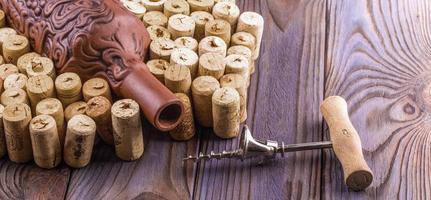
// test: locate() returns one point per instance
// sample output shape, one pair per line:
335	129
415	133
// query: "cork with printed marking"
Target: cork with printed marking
127	130
45	142
16	120
78	146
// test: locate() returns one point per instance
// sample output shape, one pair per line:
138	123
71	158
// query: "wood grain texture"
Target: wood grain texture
379	59
284	102
27	181
159	174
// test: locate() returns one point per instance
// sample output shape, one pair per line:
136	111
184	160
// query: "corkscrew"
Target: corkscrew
345	142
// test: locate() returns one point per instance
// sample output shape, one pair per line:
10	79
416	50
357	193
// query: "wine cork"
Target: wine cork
73	109
187	42
252	23
238	83
212	44
158	67
219	28
78	146
245	39
155	18
68	87
45	142
201	18
96	87
161	48
127	129
54	108
153	5
203	88
186	129
2	60
99	109
2	19
178	79
173	7
4	35
227	11
3	149
16	119
15	81
14	47
157	32
6	70
226	108
180	25
186	57
38	88
237	64
136	8
211	64
25	60
14	95
39	66
243	50
201	5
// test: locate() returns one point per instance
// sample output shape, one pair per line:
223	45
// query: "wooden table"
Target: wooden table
376	54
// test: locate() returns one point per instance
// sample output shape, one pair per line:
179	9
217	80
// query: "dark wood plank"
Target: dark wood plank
379	60
285	94
27	181
159	174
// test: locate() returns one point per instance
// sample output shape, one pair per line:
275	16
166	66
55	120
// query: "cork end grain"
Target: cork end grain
201	17
7	69
41	124
205	85
225	96
24	60
184	56
82	125
157	31
187	42
40	84
212	44
49	106
98	106
16	42
251	19
96	87
125	108
15	81
226	9
155	18
75	109
40	65
5	33
17	112
68	82
181	22
13	95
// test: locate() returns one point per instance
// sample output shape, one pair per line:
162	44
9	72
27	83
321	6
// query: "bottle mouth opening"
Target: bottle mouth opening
169	116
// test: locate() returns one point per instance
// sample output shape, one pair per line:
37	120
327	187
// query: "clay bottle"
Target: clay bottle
97	38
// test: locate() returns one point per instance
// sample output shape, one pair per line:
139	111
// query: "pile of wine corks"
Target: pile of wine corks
204	51
49	117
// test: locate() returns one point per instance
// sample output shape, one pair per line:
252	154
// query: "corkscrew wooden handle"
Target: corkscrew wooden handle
346	143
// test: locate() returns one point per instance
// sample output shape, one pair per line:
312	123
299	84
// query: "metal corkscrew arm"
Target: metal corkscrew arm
250	147
345	142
